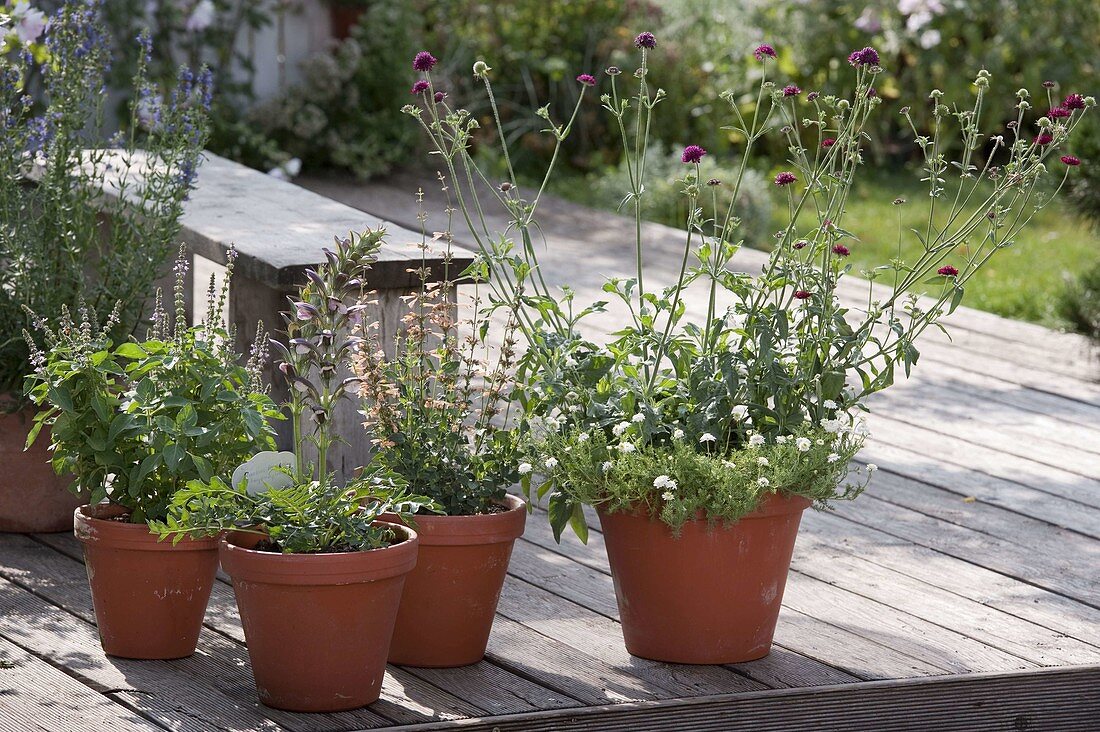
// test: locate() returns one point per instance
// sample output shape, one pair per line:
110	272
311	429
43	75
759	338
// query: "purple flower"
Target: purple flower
424	61
864	57
1074	101
764	49
692	154
1071	161
420	87
791	90
828	142
812	96
947	271
785	178
841	250
1044	138
645	39
1049	84
1059	112
800	244
587	79
871	93
802	294
440	96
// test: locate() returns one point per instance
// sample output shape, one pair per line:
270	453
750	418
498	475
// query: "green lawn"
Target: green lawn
1022	281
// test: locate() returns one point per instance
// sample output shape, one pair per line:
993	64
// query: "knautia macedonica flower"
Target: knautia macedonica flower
1071	161
645	39
587	79
800	244
812	96
424	61
947	271
785	178
828	142
791	90
1044	138
692	154
864	57
1059	113
840	250
440	96
764	50
420	87
802	294
1074	101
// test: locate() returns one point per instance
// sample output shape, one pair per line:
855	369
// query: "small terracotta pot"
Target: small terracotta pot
33	498
318	626
149	596
451	597
711	595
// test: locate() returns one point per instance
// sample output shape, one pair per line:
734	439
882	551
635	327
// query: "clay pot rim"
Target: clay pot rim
482	528
774	504
333	568
91	527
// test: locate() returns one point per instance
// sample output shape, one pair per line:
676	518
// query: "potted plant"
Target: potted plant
701	430
133	424
62	239
432	411
317	575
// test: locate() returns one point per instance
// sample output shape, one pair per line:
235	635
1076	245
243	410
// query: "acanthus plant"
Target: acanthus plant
710	403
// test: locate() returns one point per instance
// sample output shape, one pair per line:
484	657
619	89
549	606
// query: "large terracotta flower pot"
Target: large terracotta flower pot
318	626
450	598
711	595
149	596
33	498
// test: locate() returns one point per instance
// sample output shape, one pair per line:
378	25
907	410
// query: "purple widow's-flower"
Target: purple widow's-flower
828	142
645	39
764	49
1074	101
692	154
420	87
802	294
947	271
863	57
812	96
791	90
424	61
440	96
1071	160
587	79
840	250
785	178
1059	113
1044	138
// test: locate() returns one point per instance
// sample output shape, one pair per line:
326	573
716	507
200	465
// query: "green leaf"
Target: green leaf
131	350
173	454
560	508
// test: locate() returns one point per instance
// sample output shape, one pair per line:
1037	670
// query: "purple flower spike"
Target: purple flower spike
645	39
420	87
692	154
764	50
864	57
587	79
785	178
424	61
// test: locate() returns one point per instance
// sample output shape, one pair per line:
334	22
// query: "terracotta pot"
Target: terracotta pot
712	595
149	596
344	17
33	498
318	626
451	597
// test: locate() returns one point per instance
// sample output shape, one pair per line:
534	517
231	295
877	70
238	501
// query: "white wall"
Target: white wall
305	30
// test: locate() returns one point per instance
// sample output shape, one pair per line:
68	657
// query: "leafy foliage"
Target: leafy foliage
135	423
62	240
307	518
1080	303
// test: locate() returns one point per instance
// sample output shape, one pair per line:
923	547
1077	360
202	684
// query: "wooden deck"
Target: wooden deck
962	592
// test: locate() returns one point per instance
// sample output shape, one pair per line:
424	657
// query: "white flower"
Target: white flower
30	22
729	464
707	437
820	441
871	467
756	440
201	18
930	38
678	434
762	461
620	428
833	457
626	447
763	482
582	437
781	440
525	468
664	481
740	411
803	444
606	466
551	463
668	496
638	418
829	404
831	425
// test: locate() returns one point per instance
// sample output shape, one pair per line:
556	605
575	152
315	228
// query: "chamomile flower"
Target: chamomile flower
626	447
756	440
550	463
620	429
668	496
803	444
833	457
